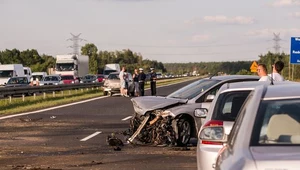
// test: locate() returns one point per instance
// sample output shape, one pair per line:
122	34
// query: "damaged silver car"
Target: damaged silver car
170	120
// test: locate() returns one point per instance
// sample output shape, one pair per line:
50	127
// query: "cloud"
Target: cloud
221	19
200	38
295	14
268	33
281	3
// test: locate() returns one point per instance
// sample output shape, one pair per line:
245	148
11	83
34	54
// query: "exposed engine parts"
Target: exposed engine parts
155	128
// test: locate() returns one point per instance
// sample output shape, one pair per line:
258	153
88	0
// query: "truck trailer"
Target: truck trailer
70	64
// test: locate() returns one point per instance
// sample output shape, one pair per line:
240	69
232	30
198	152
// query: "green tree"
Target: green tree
89	49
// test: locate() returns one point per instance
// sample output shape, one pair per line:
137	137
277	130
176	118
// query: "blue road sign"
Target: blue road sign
295	50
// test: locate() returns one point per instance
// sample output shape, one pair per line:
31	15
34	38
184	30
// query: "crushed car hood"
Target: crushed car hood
147	103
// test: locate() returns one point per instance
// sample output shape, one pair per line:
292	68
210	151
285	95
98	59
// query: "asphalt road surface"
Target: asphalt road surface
74	137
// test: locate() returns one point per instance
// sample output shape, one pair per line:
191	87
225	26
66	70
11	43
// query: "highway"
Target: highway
74	137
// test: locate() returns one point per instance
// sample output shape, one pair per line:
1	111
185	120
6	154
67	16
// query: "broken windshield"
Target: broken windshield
194	89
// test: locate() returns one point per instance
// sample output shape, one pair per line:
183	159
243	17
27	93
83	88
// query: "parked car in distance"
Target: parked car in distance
222	113
180	106
17	82
266	134
51	80
100	78
69	79
89	78
112	84
37	77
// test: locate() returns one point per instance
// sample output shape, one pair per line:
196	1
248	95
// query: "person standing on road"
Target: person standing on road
122	77
141	79
277	68
263	73
135	77
153	82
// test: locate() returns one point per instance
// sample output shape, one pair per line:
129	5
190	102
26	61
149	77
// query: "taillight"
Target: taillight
212	133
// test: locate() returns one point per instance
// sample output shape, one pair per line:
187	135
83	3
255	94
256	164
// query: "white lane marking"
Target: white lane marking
51	108
90	136
126	118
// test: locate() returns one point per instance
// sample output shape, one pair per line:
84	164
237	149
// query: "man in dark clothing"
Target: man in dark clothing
153	82
141	79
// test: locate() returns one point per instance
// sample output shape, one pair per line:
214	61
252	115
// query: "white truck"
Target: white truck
109	68
27	72
70	64
10	70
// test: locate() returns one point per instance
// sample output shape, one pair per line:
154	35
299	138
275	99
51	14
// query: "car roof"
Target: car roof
250	84
286	91
231	77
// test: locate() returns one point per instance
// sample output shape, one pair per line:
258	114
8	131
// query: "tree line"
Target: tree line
236	67
31	58
126	57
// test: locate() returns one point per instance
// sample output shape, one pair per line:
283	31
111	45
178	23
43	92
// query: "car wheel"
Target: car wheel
105	93
184	132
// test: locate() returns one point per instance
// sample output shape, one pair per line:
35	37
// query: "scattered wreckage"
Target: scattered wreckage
158	127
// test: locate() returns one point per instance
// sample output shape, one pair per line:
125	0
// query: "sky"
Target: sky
169	31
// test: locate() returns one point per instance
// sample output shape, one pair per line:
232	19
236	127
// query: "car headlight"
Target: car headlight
72	82
55	83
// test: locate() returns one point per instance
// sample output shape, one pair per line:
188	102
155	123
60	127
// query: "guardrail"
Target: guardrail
9	91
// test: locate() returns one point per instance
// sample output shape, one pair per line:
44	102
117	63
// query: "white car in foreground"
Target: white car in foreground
266	134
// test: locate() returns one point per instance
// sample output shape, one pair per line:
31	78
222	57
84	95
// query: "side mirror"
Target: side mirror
200	112
213	135
210	98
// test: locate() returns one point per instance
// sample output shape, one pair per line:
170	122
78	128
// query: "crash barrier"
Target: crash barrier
30	90
10	91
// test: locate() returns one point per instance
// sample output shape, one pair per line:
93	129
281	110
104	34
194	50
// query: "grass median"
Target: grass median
31	103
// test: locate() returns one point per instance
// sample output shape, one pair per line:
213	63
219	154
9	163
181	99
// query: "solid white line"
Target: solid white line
126	118
51	108
89	137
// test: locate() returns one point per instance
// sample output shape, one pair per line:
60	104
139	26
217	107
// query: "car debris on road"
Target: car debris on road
115	142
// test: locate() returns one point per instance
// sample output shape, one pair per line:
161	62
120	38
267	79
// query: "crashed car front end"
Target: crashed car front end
153	122
156	127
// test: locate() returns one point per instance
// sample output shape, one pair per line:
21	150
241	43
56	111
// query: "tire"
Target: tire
105	93
184	132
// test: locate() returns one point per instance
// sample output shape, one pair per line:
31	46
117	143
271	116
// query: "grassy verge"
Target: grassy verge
31	103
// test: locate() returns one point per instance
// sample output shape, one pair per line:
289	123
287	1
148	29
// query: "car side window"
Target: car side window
233	134
211	92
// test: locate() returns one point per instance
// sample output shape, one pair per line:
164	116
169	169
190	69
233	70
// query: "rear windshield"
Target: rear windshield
194	89
39	77
277	123
18	80
228	105
113	76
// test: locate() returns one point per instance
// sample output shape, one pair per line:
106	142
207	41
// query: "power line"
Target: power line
191	54
76	46
183	46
